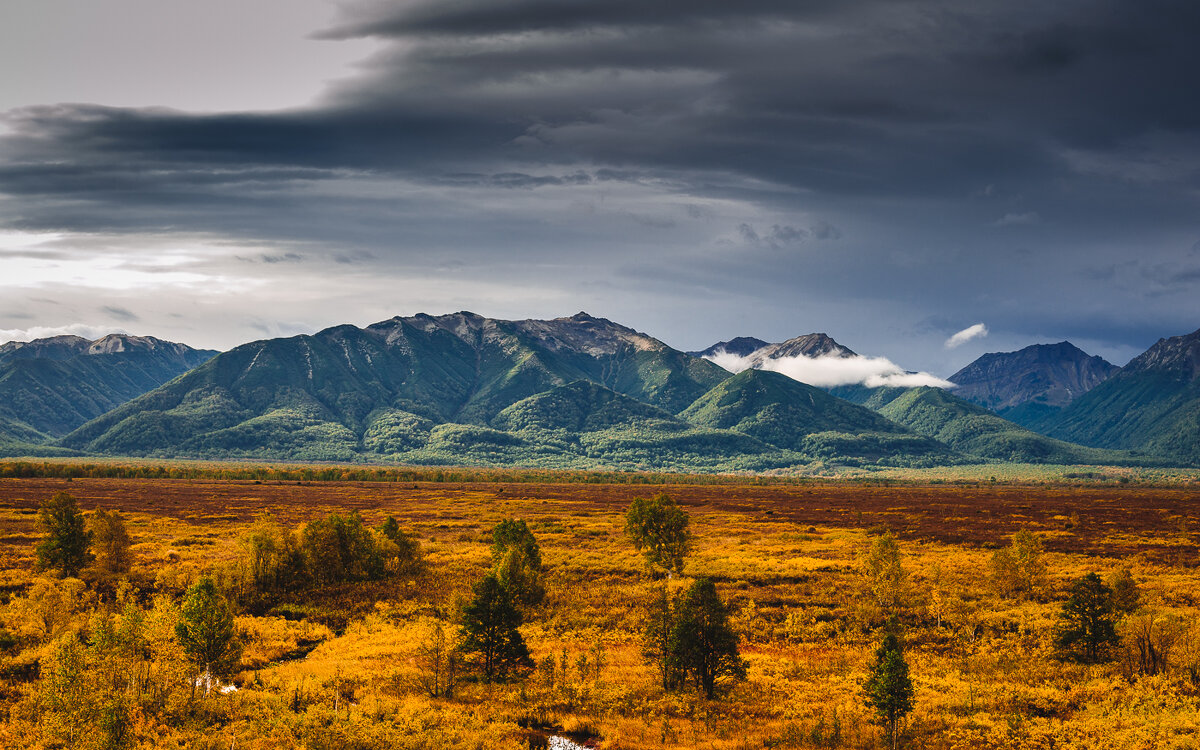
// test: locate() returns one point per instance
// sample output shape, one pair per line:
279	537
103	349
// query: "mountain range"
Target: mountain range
577	392
49	387
1151	404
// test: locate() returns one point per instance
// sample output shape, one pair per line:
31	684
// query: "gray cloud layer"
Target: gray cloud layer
888	171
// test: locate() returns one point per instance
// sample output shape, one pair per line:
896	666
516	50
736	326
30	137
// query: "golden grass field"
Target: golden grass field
337	667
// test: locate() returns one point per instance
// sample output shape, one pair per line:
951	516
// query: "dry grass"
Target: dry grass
785	557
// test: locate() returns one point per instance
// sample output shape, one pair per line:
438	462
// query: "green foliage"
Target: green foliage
659	528
489	635
339	548
53	393
393	431
110	539
1085	628
972	429
385	389
576	407
656	643
205	630
273	559
232	470
517	561
779	410
701	644
65	544
390	528
888	689
878	449
1018	570
401	549
1155	411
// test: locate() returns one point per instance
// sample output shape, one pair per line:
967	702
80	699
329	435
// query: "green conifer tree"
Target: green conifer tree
888	689
489	631
1085	628
66	541
702	644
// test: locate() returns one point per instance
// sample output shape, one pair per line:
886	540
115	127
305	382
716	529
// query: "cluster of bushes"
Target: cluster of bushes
335	549
70	544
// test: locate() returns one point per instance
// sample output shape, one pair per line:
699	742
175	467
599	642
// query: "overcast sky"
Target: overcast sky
889	172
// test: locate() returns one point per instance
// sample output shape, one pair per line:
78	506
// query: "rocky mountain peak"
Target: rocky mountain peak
115	343
810	345
740	346
1049	374
1177	354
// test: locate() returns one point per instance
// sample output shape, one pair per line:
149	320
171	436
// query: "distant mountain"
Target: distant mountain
776	409
1152	405
1023	386
741	346
787	413
54	347
571	392
324	396
577	392
808	345
49	387
590	425
972	429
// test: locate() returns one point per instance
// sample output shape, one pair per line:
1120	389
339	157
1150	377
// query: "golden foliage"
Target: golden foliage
347	665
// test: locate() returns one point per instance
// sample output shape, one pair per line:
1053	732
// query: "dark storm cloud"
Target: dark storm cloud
119	313
857	97
482	18
927	147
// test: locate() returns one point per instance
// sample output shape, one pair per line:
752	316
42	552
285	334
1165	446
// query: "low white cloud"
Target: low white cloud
729	361
977	331
831	370
89	332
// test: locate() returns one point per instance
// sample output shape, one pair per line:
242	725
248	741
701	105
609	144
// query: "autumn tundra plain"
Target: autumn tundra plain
343	665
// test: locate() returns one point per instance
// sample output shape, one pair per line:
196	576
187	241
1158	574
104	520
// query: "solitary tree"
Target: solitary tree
401	550
205	631
390	528
517	561
888	689
702	645
111	541
489	631
437	665
65	545
885	575
656	644
1126	595
1019	568
1085	627
659	528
